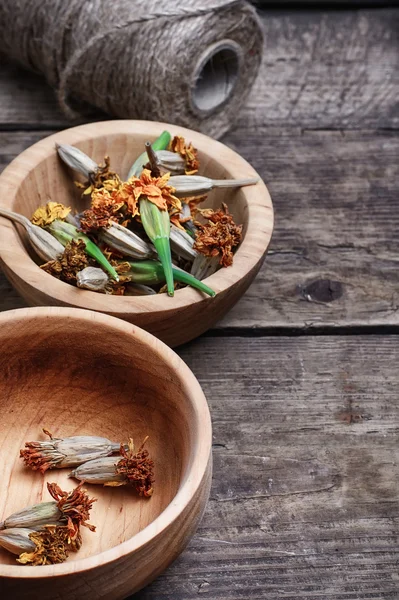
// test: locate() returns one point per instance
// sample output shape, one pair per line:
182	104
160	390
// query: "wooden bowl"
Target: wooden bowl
78	372
37	175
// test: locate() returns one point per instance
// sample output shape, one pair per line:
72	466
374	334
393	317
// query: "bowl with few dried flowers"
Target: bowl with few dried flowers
153	223
106	451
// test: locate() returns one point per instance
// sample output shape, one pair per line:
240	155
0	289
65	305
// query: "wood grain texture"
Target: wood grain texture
333	259
304	501
81	373
320	69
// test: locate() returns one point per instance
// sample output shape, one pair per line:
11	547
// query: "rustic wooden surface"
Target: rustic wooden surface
305	494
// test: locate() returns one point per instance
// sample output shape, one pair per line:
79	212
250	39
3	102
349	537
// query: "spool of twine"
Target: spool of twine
181	61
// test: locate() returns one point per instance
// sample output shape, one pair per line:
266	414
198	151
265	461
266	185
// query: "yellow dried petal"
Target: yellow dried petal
45	215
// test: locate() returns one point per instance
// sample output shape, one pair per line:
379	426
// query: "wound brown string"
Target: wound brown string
190	63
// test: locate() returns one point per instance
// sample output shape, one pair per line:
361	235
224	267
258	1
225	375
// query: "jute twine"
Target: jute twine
181	61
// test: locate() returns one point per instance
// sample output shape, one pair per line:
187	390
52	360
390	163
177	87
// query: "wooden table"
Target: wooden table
302	376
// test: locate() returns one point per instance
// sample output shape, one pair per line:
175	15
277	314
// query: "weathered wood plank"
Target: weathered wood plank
305	493
334	253
335	196
320	69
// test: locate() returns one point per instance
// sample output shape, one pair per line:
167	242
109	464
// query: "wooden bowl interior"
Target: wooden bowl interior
51	180
73	379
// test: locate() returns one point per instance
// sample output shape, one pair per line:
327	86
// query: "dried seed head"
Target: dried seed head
204	266
135	468
101	471
190	185
171	162
77	160
92	278
17	540
57	453
126	242
50	547
45	513
44	244
182	243
196	185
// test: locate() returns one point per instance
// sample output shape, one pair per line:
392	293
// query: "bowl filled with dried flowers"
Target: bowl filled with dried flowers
153	223
106	451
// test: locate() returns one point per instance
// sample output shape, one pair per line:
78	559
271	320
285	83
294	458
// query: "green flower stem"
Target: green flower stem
156	222
65	232
157	226
150	272
161	143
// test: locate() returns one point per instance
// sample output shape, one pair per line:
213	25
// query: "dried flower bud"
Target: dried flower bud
92	278
134	467
77	160
204	266
182	243
101	471
51	547
44	244
126	242
57	453
17	540
69	509
195	185
45	513
171	162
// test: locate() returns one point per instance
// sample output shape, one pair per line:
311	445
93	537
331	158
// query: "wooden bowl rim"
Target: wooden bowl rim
249	254
192	478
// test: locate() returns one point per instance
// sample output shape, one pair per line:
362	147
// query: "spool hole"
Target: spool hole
216	76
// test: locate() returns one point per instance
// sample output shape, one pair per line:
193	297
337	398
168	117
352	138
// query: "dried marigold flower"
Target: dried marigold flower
75	507
69	509
73	260
105	209
137	468
186	151
194	201
51	547
45	215
155	189
218	236
178	221
57	453
118	288
102	177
